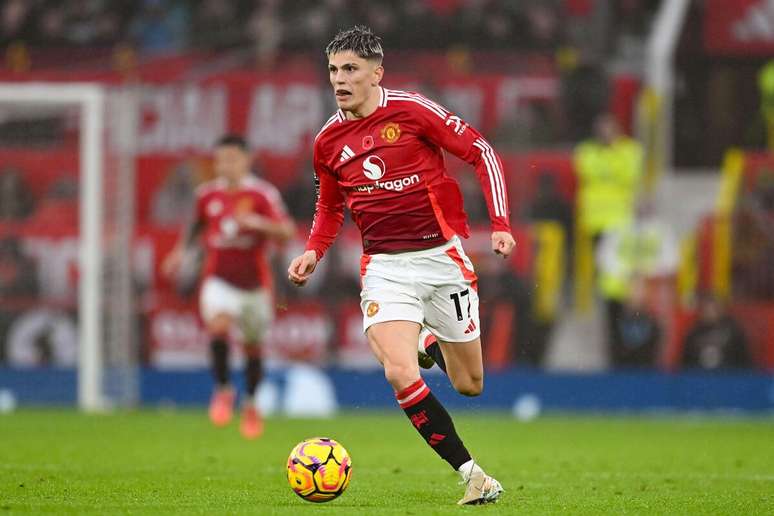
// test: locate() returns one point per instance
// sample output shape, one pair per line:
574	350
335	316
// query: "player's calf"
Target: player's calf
433	423
468	385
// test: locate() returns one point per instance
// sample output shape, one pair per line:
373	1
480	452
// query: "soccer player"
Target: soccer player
381	154
237	214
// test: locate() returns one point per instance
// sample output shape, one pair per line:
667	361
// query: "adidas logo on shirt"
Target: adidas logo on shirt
346	153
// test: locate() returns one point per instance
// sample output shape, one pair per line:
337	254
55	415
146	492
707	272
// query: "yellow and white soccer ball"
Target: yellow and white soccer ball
319	469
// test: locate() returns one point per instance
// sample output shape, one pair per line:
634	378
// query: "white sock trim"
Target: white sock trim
467	469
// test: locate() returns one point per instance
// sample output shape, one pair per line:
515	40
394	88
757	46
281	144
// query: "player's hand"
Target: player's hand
171	264
502	243
302	267
251	221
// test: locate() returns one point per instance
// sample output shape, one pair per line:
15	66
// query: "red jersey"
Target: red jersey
233	254
389	169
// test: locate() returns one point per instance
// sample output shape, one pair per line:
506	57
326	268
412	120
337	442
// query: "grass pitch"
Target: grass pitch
152	462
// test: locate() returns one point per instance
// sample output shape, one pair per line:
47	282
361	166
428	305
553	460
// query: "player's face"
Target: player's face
231	162
354	80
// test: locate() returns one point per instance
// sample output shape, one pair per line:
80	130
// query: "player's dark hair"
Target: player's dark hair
360	40
232	139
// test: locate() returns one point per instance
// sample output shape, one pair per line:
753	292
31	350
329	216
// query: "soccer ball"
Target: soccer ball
319	469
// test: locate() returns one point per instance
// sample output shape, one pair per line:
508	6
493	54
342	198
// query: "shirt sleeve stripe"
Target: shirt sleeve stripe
393	95
425	100
499	176
331	120
492	181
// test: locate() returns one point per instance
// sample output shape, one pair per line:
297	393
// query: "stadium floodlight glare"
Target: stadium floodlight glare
91	102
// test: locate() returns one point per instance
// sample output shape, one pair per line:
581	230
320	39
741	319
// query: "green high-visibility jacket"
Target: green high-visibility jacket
608	179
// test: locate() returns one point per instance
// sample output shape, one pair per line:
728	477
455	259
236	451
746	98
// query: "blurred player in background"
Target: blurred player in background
381	154
237	214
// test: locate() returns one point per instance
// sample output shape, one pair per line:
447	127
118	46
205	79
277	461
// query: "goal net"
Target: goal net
66	234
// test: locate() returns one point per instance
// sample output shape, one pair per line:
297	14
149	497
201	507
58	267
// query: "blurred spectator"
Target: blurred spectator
548	204
645	249
585	92
637	330
753	233
543	27
265	30
91	22
416	32
15	21
716	341
50	26
160	26
382	19
18	274
766	87
172	202
216	25
16	201
609	168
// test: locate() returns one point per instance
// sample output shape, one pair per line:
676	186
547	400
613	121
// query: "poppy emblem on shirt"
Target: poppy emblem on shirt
368	142
390	132
372	309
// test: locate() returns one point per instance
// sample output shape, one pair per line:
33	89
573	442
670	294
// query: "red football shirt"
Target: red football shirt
389	170
233	254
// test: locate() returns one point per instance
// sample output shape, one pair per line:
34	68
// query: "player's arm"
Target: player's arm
328	218
275	223
280	230
188	237
455	135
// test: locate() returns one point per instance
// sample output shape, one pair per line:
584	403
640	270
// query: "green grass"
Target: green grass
152	462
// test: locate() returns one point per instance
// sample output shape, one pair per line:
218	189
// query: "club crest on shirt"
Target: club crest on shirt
373	308
390	132
244	205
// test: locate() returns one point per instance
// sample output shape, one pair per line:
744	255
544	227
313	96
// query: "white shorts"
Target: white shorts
252	309
434	287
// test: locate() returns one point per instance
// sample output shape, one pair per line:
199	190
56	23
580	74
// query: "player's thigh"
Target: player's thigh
256	315
394	343
219	305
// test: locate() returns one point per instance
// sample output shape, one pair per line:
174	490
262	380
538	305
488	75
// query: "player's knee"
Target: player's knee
472	385
219	326
400	376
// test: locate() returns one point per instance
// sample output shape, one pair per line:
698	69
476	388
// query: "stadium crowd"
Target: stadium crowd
165	26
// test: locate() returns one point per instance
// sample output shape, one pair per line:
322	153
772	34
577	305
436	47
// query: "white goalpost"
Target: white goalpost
97	323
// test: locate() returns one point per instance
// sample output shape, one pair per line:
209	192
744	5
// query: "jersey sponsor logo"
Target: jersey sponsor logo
229	227
390	132
459	124
346	153
373	309
374	167
394	184
368	142
214	208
